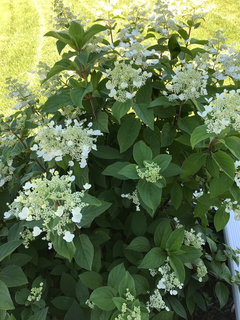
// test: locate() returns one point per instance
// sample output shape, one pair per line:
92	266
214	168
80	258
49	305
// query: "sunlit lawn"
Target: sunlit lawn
23	23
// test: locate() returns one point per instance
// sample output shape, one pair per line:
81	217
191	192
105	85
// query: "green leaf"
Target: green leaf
7	248
233	144
177	307
91	279
221	218
225	162
150	194
153	259
141	283
118	301
113	170
127	283
13	276
172	170
199	134
190	254
67	285
175	240
176	195
193	164
76	32
77	95
129	171
178	268
64	64
106	152
84	252
62	303
141	152
162	233
168	134
116	275
139	244
219	185
163	160
145	114
56	102
96	28
102	297
40	315
93	211
164	315
101	122
173	46
5	298
128	133
144	94
222	293
63	248
74	312
119	109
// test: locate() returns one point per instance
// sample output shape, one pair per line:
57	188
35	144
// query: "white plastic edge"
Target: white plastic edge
232	238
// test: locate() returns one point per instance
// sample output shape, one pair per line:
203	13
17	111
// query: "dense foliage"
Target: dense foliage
118	176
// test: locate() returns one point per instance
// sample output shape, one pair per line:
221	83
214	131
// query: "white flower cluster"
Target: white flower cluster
75	140
156	302
51	204
125	81
36	293
6	172
222	112
129	312
191	238
150	172
201	270
63	15
138	52
237	173
188	83
169	281
134	198
21	93
229	61
232	207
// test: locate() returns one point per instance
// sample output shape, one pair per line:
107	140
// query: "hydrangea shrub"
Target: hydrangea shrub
118	176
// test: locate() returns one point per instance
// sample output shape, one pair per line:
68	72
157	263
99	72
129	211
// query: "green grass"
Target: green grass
23	23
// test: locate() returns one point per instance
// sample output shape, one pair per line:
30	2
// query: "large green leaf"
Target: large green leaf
225	162
145	114
175	240
84	252
63	248
199	134
153	259
150	194
193	164
91	279
221	218
119	109
139	244
13	276
102	297
116	275
128	133
5	298
7	248
222	293
178	267
76	33
141	152
162	233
